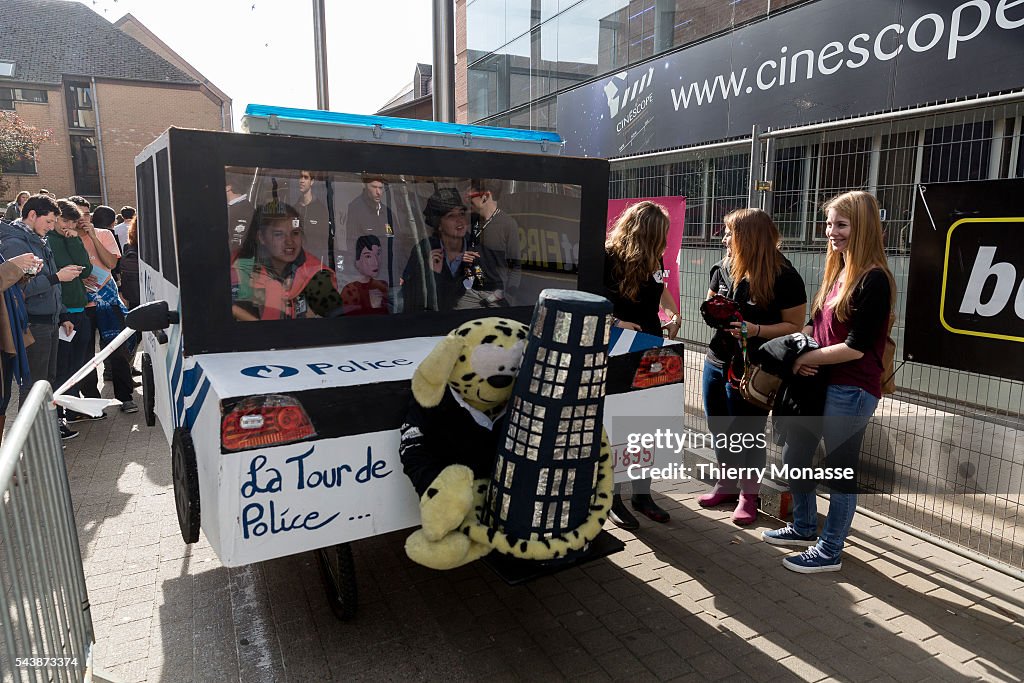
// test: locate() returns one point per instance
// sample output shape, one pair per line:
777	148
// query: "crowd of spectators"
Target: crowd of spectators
69	274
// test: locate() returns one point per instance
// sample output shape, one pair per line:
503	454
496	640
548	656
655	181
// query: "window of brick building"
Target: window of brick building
25	165
86	166
8	96
80	110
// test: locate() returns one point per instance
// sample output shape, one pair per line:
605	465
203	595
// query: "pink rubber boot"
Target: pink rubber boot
723	492
746	508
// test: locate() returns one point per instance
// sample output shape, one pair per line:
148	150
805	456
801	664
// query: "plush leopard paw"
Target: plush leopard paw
454	550
447	501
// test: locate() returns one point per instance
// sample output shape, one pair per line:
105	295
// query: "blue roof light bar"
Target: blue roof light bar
261	118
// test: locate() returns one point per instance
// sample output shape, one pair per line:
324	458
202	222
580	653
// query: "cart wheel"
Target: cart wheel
338	571
148	391
186	484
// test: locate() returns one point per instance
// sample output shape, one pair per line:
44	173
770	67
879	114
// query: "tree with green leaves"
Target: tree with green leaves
18	140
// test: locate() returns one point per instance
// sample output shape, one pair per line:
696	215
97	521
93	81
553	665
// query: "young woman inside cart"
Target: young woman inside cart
272	277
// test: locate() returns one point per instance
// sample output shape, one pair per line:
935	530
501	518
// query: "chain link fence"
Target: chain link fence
947	451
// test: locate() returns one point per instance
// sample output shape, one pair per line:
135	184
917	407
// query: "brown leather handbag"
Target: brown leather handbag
759	387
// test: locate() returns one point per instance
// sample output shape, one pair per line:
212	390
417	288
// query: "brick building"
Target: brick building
106	90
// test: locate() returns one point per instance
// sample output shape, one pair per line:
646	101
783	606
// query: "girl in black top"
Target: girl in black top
772	301
634	281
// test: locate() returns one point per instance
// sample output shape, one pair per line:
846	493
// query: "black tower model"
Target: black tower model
546	470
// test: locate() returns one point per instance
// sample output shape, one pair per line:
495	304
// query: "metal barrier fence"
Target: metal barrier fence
44	607
948	448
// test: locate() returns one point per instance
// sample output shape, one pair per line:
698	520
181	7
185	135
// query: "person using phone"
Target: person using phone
105	309
68	250
434	277
43	305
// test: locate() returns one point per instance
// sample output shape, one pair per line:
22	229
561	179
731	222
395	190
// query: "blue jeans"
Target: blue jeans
729	413
843	438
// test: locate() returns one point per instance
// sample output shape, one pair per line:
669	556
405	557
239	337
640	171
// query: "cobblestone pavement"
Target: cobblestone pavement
696	599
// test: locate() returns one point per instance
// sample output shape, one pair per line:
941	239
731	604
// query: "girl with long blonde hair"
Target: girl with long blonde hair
634	281
773	302
849	322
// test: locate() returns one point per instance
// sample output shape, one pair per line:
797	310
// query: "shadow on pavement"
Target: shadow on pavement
695	597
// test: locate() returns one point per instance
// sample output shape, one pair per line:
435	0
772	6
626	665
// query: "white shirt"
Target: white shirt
121	230
478	416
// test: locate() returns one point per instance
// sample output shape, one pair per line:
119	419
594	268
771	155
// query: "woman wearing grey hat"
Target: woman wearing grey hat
433	277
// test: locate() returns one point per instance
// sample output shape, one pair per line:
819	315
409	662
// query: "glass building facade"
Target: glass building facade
522	53
952	114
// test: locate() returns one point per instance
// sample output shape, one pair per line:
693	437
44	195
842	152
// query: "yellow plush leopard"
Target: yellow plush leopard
449	442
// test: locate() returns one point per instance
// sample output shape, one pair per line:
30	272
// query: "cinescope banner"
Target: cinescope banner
965	297
826	60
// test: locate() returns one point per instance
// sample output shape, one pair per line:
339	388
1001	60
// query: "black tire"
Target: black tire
185	474
148	391
338	571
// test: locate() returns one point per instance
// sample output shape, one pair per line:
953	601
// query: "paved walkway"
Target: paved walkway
697	599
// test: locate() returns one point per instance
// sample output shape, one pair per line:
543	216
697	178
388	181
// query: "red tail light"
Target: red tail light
265	421
658	367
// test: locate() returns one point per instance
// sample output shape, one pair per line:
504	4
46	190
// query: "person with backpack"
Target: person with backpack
770	298
849	321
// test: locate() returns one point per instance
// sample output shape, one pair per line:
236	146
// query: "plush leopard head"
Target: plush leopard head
478	360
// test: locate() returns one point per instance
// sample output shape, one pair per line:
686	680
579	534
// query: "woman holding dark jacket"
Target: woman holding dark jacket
773	303
849	322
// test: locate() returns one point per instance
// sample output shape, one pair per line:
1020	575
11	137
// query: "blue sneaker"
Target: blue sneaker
788	536
812	561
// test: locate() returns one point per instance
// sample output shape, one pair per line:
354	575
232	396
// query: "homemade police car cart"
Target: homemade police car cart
309	290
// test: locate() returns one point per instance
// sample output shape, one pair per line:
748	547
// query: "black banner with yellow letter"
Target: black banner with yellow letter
965	301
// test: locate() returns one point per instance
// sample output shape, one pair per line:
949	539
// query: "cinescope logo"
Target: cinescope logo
621	95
